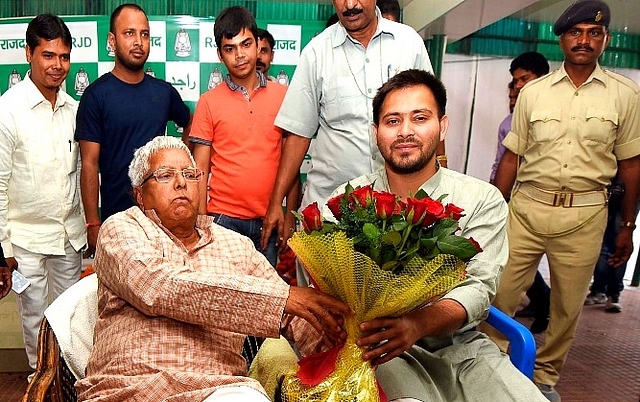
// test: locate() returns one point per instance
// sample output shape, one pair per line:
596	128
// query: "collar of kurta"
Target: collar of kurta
428	186
203	227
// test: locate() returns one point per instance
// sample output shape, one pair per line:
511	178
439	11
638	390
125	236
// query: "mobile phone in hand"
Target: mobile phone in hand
20	283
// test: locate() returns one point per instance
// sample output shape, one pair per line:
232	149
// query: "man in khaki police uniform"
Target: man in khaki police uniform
572	131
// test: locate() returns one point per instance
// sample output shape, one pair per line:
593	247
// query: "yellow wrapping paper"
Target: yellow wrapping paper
337	269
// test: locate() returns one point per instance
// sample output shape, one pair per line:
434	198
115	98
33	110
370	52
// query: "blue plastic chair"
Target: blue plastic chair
523	346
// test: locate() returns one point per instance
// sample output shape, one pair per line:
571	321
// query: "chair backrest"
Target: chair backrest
65	342
52	381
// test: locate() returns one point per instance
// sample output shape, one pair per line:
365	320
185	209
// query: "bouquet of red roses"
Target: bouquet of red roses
383	257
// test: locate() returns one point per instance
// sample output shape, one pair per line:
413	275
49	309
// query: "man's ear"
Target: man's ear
137	195
29	52
444	126
112	40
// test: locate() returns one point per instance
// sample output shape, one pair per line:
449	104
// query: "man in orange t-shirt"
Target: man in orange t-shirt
234	137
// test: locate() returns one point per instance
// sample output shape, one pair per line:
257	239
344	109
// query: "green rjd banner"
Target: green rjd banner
183	52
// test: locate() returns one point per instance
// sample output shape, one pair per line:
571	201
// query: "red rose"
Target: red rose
475	244
416	210
453	212
334	205
385	204
311	217
400	207
435	209
363	195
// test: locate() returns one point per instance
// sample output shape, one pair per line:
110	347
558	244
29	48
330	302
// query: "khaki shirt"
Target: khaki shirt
571	138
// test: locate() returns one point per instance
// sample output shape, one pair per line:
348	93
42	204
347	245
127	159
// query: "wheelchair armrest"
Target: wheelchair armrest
522	343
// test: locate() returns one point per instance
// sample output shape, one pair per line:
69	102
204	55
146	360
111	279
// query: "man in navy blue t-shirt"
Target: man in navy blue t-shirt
118	113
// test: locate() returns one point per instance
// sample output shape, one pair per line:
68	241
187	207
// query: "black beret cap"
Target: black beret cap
585	11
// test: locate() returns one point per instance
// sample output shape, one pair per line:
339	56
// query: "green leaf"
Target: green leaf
348	189
445	227
328	227
393	238
387	255
359	239
374	253
370	231
400	225
442	197
458	246
429	242
297	215
390	266
421	194
411	251
432	254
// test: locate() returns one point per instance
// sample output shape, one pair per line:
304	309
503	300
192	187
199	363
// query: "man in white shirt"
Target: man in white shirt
330	94
41	218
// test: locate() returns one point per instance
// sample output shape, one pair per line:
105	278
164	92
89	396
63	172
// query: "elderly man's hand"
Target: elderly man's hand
5	281
323	312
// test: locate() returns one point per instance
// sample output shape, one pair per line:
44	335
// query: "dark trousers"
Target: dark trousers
539	294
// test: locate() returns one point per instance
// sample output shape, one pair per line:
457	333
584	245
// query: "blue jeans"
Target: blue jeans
251	228
606	279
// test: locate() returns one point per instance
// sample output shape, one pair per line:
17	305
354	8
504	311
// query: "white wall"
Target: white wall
477	101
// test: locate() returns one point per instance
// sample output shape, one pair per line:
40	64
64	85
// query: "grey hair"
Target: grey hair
139	166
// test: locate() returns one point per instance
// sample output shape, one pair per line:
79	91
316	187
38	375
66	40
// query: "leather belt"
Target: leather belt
564	199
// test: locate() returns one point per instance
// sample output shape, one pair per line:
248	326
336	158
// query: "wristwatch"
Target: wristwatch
628	224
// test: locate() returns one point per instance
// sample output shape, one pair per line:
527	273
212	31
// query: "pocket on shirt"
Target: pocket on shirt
545	124
601	125
342	100
72	162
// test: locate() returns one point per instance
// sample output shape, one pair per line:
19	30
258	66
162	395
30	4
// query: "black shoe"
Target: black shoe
549	392
539	325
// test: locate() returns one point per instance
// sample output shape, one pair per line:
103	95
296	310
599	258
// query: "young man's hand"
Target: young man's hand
5	281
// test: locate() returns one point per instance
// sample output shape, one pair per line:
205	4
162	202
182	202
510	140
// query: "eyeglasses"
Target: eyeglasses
164	175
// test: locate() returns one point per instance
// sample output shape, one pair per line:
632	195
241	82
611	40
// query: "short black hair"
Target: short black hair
389	7
48	27
116	13
231	21
264	34
530	61
407	79
332	20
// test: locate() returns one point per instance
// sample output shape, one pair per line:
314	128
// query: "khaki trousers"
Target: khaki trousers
571	238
